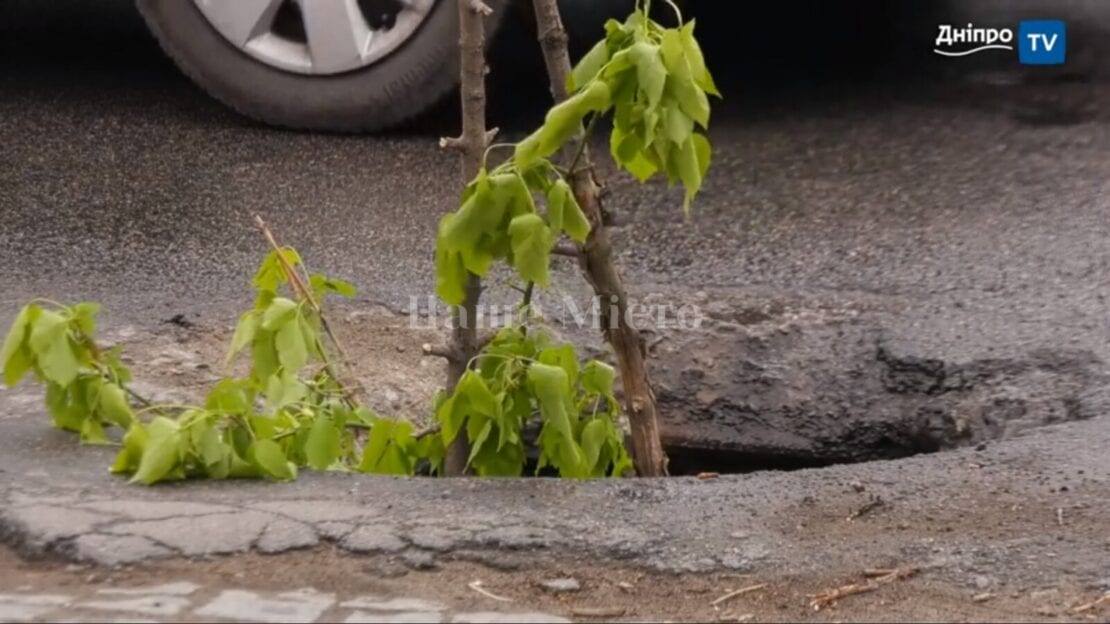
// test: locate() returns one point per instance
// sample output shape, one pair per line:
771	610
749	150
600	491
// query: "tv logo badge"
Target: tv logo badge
1042	42
1039	42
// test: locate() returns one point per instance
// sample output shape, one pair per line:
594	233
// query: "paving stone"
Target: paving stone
113	550
16	612
405	617
43	524
374	603
145	605
373	538
491	617
248	606
155	510
282	535
49	600
28	607
181	588
201	535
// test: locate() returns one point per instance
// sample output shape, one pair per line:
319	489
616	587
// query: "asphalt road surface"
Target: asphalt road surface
979	205
120	181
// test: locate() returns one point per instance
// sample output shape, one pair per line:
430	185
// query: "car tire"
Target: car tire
396	88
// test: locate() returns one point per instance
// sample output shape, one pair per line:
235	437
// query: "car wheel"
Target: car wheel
334	65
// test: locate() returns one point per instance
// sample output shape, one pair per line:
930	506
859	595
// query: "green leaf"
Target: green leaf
677	124
451	275
214	452
85	316
575	223
562	123
17	334
264	356
430	447
696	60
92	432
280	312
689	171
113	405
282	390
322	446
270	459
245	333
565	357
532	241
291	348
16	357
230	396
398	455
478	440
49	341
451	420
505	462
692	100
594	437
472	396
550	386
588	67
17	366
161	452
380	435
322	285
704	152
134	442
271	274
57	403
564	214
527	151
650	71
394	461
627	150
597	378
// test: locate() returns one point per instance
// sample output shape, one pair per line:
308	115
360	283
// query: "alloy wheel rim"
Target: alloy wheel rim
316	37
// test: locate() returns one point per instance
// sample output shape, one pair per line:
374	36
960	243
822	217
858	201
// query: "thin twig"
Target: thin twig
303	291
827	598
739	592
477	586
1093	604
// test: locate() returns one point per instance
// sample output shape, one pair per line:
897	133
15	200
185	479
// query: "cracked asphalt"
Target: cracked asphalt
979	208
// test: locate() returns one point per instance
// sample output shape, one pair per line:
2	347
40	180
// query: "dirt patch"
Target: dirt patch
607	592
180	362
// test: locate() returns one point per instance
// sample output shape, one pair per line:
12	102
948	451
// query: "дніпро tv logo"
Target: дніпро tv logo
1039	42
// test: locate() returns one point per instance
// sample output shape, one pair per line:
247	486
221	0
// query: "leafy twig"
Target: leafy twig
303	291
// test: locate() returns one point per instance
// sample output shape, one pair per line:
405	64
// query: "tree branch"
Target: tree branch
597	263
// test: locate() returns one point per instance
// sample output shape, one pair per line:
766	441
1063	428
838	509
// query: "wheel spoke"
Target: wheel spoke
338	34
241	20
